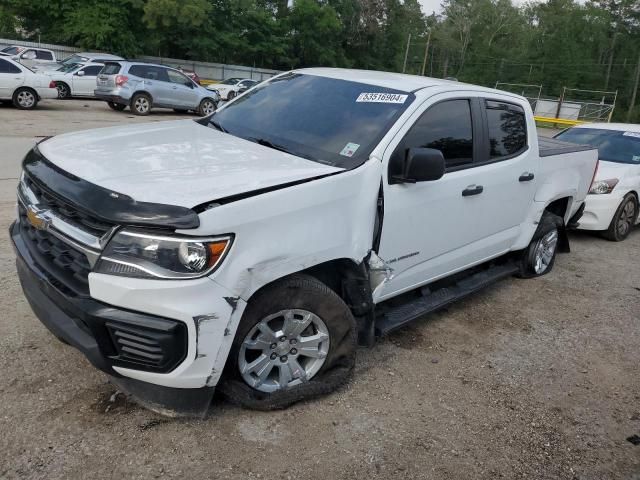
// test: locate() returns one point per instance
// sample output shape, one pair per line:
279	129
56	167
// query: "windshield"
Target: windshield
66	68
11	50
327	120
74	59
230	81
613	145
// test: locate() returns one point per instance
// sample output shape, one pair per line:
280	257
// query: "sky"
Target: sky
429	6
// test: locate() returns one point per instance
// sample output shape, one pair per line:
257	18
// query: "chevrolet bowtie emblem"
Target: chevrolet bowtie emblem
38	218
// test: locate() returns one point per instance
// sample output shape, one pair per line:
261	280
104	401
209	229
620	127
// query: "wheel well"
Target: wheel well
350	281
141	92
26	88
559	207
60	81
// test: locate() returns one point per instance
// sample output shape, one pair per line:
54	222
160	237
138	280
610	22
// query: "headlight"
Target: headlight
137	254
600	187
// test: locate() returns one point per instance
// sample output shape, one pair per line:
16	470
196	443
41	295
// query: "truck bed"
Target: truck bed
551	146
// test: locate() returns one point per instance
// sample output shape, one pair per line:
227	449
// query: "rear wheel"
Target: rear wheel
63	90
206	107
296	340
118	107
25	99
231	95
539	257
623	220
141	104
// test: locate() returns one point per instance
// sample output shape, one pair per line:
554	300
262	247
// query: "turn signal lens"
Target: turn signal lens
216	251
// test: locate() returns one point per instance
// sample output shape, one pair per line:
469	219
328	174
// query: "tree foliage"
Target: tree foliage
557	43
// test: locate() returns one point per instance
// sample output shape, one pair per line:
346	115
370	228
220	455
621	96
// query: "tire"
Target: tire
540	256
118	107
206	107
25	99
64	91
231	96
303	299
141	104
624	219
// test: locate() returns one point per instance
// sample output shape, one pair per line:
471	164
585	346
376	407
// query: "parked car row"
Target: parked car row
138	85
22	86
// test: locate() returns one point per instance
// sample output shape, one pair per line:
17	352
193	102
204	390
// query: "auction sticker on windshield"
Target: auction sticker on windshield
382	98
349	149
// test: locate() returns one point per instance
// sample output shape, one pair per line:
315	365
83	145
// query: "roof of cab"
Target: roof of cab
397	81
621	127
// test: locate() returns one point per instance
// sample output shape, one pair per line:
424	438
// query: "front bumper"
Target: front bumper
599	211
109	337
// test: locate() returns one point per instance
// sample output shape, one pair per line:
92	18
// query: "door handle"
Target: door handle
526	177
472	190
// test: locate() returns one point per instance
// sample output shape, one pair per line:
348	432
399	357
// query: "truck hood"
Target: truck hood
179	163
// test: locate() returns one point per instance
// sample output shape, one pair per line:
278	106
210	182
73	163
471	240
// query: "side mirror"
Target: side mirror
421	165
80	73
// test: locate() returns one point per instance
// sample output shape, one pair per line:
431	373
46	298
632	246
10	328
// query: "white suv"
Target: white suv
22	86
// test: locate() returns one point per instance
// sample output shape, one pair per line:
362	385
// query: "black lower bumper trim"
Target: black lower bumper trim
106	335
171	402
574	221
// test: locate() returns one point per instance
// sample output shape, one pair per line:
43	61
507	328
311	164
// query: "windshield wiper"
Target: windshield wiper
267	143
218	126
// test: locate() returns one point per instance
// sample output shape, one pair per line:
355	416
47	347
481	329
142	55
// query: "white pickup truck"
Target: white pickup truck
253	249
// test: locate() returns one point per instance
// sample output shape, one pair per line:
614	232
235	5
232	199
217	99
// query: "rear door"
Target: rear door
11	77
85	83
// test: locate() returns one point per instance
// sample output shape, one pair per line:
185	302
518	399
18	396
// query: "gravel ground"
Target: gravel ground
533	379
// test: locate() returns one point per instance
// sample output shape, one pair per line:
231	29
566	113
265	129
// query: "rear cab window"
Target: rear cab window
44	55
507	129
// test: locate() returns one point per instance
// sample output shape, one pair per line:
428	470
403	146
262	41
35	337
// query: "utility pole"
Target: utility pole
635	92
406	55
426	52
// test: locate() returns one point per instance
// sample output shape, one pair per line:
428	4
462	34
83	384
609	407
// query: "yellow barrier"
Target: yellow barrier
559	121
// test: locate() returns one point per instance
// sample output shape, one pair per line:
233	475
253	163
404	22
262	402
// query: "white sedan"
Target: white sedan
76	80
232	87
612	206
22	86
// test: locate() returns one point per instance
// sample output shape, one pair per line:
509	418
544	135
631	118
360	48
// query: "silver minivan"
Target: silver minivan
143	86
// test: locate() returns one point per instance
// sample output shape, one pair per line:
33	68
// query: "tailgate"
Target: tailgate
107	76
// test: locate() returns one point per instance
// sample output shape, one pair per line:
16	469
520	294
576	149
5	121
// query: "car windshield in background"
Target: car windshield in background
613	145
11	50
330	121
230	81
73	59
68	68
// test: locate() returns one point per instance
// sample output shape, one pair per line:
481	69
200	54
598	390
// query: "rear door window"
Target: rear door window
507	126
445	126
92	71
149	72
8	67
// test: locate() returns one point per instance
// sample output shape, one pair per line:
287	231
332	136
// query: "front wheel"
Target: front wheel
623	220
296	340
539	257
64	91
231	96
206	107
118	107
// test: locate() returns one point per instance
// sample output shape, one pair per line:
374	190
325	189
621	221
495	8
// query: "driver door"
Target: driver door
84	84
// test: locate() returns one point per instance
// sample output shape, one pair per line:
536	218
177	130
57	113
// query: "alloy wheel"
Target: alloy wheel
26	99
626	219
283	350
544	251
